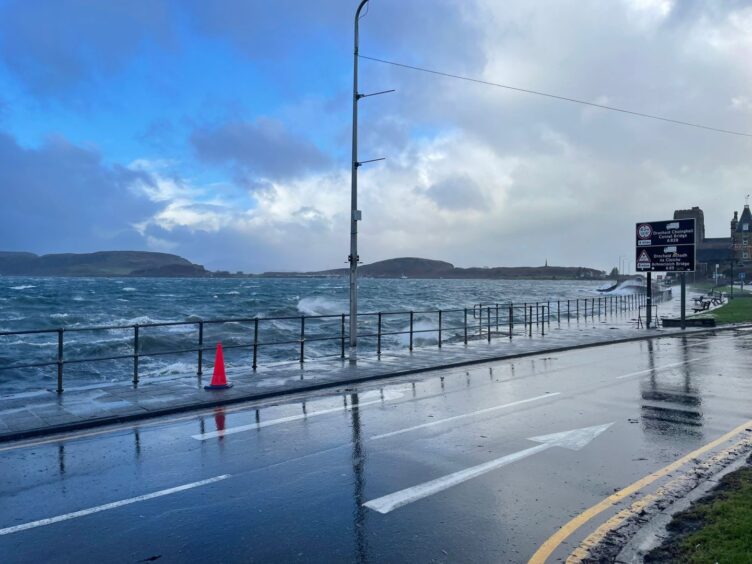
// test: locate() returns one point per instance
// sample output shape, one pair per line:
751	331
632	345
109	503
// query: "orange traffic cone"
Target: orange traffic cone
219	380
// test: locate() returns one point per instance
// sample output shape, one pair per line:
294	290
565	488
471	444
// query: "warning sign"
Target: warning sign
669	258
643	261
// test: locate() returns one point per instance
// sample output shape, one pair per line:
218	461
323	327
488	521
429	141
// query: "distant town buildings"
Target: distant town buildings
731	254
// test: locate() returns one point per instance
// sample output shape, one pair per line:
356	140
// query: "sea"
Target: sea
81	306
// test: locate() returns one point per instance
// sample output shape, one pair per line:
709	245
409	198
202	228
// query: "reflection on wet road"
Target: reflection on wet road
482	464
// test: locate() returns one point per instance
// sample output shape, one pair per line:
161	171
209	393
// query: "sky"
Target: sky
220	131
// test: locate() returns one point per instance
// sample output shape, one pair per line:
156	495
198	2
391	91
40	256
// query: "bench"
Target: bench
704	306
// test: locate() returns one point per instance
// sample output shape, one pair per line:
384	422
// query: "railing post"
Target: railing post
302	339
411	330
548	311
530	334
465	326
60	361
543	325
511	320
378	339
524	315
497	318
558	312
569	311
488	315
255	342
199	368
342	336
439	343
135	355
592	307
537	313
577	312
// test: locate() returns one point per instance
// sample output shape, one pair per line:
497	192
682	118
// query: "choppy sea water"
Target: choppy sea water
76	303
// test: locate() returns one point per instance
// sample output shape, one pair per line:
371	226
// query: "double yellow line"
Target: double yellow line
555	540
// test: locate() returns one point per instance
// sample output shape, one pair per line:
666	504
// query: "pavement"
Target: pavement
486	463
45	411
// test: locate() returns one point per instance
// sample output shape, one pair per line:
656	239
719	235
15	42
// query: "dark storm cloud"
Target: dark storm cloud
61	197
263	148
53	44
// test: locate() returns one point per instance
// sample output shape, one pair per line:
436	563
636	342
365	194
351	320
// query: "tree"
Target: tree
614	272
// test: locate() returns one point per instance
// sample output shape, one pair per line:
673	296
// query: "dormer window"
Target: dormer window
745	226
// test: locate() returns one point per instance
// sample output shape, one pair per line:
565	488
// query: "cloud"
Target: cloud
52	45
61	197
457	192
474	174
262	148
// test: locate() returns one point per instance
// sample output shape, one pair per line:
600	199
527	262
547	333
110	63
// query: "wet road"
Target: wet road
457	466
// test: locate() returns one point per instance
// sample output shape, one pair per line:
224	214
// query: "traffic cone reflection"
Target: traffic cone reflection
219	379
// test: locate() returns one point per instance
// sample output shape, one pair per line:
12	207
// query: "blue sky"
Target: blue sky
220	130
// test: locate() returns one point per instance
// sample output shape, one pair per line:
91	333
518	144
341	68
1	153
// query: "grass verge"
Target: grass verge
716	528
738	310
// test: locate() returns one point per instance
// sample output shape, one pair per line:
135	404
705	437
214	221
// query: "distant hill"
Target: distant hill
412	267
105	263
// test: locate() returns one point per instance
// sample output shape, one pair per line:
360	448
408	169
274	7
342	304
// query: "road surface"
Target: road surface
476	465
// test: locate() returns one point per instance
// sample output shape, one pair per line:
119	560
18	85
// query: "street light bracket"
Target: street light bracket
359	96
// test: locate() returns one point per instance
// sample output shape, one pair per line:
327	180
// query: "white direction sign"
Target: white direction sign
575	439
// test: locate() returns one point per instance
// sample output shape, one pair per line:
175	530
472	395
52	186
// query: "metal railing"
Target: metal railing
481	322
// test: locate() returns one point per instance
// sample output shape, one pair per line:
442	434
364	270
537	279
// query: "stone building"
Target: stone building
732	254
741	235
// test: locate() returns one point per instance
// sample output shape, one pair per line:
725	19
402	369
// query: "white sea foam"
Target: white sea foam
430	337
22	287
320	305
129	289
77	299
59	315
232	293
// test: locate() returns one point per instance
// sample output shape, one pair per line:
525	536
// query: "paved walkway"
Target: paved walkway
42	412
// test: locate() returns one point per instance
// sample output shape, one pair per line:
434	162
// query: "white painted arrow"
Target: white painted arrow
572	440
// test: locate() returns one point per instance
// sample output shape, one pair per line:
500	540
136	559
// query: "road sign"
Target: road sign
671	258
675	232
665	246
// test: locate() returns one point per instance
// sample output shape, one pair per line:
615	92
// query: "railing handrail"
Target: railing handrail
487	318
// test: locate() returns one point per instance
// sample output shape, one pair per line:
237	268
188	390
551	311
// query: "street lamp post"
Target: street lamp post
355	215
354	212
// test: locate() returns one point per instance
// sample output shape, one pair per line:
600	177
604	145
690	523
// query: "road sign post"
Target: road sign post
665	246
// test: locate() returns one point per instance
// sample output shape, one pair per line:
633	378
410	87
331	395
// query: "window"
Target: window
745	255
745	241
745	226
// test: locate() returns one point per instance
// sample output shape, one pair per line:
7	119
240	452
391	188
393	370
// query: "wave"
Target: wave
58	315
320	305
129	289
23	287
232	293
425	332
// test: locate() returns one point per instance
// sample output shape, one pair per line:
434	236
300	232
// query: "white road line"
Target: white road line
463	416
665	366
113	505
271	422
392	501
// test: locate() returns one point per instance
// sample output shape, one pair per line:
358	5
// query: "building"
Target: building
741	232
730	254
